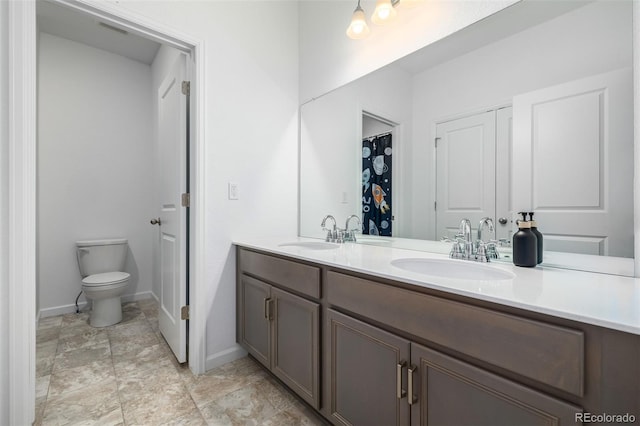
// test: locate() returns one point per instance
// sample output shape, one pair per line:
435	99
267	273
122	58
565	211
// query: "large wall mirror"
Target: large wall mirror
530	109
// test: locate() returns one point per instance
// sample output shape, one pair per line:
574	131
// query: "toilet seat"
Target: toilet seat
105	279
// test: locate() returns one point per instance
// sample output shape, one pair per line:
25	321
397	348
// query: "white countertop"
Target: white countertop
609	301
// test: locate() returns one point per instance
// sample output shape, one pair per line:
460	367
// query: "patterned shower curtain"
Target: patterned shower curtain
376	185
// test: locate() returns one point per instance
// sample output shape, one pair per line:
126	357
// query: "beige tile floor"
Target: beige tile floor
126	375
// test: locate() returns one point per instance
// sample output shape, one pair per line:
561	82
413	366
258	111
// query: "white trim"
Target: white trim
22	194
225	356
636	137
22	211
198	290
71	308
163	34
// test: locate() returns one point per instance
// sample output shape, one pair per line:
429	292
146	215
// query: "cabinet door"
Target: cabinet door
368	373
450	392
295	344
254	318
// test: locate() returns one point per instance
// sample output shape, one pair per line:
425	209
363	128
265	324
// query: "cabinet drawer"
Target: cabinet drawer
300	278
547	353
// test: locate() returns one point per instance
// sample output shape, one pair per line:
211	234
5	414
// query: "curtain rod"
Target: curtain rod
379	135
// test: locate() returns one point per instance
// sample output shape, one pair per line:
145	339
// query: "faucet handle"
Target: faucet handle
481	254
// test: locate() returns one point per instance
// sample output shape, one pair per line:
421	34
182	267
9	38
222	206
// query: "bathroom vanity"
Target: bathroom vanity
366	342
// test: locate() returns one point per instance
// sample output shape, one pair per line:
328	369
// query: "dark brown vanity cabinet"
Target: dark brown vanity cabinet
367	373
280	330
393	353
378	378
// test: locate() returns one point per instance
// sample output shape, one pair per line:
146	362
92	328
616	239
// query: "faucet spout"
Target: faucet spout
465	230
350	234
465	233
485	222
324	221
353	216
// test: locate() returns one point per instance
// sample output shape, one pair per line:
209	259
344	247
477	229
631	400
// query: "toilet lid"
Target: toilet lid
105	278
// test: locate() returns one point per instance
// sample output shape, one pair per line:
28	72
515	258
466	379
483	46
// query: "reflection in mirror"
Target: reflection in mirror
530	109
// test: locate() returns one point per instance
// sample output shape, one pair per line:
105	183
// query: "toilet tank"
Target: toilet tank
99	256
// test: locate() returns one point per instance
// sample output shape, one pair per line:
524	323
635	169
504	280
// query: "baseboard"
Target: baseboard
224	357
71	308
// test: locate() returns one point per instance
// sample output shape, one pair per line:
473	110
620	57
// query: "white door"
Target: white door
465	172
172	144
573	158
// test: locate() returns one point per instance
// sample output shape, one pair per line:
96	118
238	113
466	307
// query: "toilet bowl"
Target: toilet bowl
101	264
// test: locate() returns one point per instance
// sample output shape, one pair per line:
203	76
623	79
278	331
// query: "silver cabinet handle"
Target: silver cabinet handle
502	221
412	397
155	221
400	393
267	309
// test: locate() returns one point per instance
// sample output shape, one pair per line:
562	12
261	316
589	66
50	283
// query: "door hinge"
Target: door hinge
184	312
186	87
186	199
435	205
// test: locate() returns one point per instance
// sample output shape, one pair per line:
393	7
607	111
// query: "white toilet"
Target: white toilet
101	264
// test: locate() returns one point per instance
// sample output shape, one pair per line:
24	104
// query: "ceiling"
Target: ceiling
509	21
70	24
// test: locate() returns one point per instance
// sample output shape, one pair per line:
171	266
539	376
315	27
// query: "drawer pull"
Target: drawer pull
400	393
412	398
267	309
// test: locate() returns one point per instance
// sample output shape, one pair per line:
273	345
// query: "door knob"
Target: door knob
156	221
502	221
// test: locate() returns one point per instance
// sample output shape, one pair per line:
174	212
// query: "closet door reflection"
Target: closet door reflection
466	172
578	140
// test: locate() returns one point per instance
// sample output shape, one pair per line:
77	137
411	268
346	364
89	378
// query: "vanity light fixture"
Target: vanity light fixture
385	12
358	29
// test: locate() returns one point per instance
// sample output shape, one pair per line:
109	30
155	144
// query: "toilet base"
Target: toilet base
105	312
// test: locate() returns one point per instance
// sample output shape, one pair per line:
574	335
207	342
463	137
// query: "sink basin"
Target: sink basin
311	245
458	269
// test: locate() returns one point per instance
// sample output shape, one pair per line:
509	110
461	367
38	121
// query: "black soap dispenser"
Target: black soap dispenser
525	244
534	229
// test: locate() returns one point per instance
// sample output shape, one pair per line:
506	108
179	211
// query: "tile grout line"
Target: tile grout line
115	374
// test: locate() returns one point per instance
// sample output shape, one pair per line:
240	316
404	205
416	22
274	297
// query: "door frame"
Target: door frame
399	224
22	72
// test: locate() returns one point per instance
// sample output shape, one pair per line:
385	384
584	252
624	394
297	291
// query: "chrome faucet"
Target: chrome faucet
464	246
489	247
350	234
465	233
488	222
332	234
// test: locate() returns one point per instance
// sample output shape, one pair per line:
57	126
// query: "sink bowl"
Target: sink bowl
311	245
458	269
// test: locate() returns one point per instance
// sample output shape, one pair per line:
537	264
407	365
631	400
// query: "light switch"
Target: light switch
233	191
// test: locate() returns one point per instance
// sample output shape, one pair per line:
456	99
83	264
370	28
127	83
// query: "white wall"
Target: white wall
539	57
328	59
94	164
4	219
251	104
331	149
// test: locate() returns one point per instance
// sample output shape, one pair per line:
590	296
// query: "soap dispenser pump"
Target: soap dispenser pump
525	244
538	234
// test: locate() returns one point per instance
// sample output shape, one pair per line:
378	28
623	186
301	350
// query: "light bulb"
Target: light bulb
358	29
383	13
